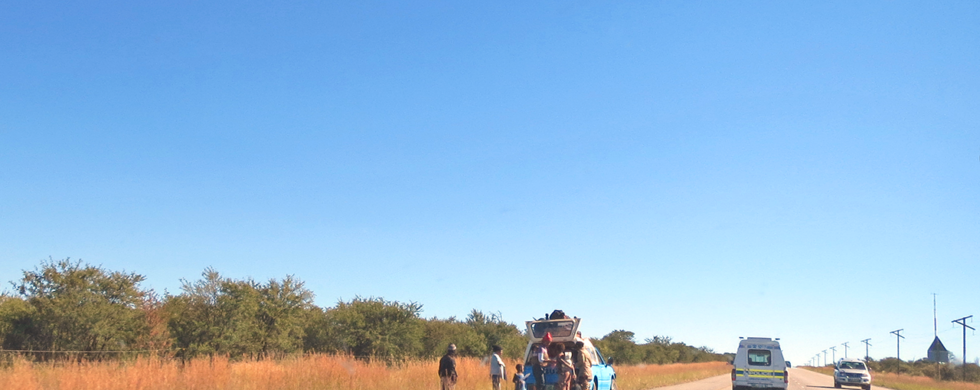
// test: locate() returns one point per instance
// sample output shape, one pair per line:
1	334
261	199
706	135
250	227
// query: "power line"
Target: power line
898	348
866	345
962	321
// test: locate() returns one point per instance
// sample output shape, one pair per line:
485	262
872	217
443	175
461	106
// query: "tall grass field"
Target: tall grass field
906	382
648	376
307	372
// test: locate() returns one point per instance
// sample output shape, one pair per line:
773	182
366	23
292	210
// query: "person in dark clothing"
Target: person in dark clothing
447	368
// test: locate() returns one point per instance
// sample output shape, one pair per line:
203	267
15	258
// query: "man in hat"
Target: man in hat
447	368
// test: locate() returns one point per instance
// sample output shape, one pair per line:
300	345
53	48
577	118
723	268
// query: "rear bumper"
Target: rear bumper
760	384
853	381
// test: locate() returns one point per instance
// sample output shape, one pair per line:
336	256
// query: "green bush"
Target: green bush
69	306
923	367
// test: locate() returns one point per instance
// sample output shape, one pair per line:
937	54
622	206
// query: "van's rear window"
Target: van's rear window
556	328
760	357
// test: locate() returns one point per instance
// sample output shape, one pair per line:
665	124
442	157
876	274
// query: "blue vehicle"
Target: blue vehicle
565	331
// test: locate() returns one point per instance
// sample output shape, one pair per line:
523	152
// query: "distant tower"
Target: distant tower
937	351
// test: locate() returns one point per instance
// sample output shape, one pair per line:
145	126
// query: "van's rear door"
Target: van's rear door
561	330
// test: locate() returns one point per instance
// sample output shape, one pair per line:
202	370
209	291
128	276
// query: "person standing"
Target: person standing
564	367
447	369
583	365
498	371
519	378
539	359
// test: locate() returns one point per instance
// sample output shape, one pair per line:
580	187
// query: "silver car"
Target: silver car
852	372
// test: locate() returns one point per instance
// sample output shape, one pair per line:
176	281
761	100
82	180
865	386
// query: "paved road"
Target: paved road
799	379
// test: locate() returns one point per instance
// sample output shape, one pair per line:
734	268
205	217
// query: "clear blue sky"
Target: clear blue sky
701	170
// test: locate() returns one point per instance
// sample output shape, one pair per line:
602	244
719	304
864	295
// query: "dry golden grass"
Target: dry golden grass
906	382
308	372
641	377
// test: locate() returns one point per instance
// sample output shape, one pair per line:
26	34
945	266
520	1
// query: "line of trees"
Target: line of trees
924	367
621	345
68	308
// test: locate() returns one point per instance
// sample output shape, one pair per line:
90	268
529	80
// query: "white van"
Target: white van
759	364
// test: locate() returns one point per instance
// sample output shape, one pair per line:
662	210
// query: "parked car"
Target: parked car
565	331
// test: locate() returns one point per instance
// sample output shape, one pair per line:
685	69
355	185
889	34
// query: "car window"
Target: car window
853	365
557	329
760	357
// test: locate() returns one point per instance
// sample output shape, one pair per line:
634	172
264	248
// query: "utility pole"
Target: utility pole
866	345
962	321
825	357
898	347
833	354
845	350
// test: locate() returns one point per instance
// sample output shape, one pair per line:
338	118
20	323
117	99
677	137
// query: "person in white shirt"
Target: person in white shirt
498	371
539	359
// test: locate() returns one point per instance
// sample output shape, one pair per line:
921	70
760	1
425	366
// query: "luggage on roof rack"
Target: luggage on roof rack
558	315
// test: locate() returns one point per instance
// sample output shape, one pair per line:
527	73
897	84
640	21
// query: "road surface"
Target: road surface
799	379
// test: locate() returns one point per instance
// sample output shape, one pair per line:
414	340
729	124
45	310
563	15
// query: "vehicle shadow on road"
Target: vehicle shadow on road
820	387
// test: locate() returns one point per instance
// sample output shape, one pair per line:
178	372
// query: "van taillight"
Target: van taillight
785	376
733	375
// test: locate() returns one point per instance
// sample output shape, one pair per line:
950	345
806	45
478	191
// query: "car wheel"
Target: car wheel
612	384
836	384
866	387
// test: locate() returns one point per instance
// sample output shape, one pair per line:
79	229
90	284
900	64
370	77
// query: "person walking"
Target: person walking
447	369
498	371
